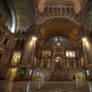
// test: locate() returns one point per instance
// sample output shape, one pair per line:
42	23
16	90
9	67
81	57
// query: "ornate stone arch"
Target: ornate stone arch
74	22
60	19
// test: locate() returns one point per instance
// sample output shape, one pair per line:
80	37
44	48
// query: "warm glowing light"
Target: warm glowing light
56	39
85	42
31	43
67	54
57	60
84	39
58	44
34	38
73	54
16	58
70	54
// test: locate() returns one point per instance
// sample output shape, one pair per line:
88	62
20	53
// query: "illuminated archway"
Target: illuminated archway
59	27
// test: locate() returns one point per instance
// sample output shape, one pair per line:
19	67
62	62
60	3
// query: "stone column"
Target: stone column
26	60
68	63
29	51
75	66
41	63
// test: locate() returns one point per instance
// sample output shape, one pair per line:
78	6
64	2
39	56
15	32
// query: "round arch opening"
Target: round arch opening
62	27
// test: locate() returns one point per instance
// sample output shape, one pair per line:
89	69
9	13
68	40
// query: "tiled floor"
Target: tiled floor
6	86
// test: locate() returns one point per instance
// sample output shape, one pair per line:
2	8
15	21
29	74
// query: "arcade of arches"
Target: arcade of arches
56	43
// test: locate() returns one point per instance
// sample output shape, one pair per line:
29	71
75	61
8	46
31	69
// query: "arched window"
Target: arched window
72	10
46	10
68	10
59	10
63	10
55	10
50	10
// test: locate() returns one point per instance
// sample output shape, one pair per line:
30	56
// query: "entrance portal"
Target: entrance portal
11	73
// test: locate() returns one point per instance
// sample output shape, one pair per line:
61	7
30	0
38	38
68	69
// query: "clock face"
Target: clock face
58	59
58	63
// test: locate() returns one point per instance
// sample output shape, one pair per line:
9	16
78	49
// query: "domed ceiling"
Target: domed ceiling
17	15
5	16
25	12
61	28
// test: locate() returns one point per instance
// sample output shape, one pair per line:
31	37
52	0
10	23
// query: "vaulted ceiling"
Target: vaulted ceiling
5	16
60	28
22	14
